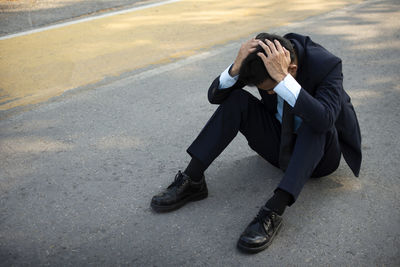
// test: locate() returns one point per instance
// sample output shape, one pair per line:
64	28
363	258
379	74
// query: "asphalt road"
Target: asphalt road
77	173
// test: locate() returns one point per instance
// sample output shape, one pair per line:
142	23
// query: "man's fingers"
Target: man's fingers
250	43
251	50
252	40
287	53
278	46
271	46
253	43
265	47
263	58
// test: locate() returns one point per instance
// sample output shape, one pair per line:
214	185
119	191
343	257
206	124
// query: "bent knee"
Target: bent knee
236	97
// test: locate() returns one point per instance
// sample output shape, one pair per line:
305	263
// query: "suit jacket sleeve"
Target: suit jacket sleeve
217	96
321	110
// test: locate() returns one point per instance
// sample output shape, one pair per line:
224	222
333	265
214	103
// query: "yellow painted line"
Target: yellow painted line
41	65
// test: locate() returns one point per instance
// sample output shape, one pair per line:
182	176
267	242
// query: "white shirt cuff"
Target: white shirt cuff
288	89
226	80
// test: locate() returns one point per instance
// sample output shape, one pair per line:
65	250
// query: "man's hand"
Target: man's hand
246	48
277	60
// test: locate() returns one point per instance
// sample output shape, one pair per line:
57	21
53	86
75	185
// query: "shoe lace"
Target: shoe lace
179	180
266	217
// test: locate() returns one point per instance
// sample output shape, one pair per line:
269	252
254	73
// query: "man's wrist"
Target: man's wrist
233	71
226	80
288	89
281	77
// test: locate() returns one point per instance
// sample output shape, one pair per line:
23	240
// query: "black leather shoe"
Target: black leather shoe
260	232
180	192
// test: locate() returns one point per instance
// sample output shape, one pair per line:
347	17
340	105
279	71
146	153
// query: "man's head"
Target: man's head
253	72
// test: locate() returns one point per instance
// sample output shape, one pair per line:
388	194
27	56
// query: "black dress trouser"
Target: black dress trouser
314	155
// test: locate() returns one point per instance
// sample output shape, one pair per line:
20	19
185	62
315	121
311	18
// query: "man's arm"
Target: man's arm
217	95
224	84
319	111
322	110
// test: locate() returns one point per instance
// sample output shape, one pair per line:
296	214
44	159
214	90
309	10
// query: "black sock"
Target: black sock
195	169
279	201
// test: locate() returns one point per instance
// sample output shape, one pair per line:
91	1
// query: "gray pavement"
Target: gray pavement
23	15
77	173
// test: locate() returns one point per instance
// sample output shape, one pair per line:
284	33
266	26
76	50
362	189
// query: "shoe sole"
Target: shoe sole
178	205
261	248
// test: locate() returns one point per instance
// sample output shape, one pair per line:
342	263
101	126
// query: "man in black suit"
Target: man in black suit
303	123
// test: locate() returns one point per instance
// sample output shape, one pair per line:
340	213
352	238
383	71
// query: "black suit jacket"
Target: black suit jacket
322	102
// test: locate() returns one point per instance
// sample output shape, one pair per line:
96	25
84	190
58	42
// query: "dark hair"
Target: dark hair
253	72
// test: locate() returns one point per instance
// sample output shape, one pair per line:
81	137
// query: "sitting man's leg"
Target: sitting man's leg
242	112
315	155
